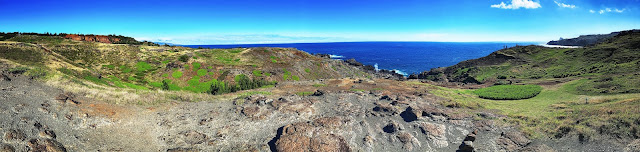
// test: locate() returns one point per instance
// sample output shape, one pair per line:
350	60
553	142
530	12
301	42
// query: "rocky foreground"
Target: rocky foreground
338	117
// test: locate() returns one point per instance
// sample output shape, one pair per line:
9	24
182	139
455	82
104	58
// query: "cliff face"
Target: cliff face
92	38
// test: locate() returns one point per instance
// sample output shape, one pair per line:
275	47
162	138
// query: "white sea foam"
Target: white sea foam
335	56
399	72
559	46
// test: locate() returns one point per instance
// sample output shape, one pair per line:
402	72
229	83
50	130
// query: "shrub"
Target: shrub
202	72
177	74
143	66
18	70
196	66
183	58
304	93
509	92
257	73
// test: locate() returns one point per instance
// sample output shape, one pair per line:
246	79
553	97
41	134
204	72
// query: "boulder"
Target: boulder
15	134
408	141
48	145
313	137
466	146
4	77
512	141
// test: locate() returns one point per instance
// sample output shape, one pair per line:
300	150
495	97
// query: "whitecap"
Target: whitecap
335	56
399	72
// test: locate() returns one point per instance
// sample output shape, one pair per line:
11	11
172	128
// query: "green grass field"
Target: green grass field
556	109
509	92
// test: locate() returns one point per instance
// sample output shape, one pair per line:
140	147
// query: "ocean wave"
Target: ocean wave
335	56
400	72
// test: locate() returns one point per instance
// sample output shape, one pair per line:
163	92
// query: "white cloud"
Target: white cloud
516	4
607	10
564	5
592	11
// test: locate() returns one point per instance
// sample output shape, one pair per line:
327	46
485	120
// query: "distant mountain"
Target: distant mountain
163	43
584	40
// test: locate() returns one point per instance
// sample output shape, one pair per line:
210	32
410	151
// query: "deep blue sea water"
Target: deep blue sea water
405	57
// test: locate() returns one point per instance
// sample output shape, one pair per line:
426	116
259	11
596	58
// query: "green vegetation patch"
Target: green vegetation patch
143	66
177	74
304	93
509	92
202	72
109	66
319	85
196	66
257	73
124	69
23	55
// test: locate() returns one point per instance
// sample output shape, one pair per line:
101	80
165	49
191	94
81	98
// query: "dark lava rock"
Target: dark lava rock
409	115
466	146
319	93
391	128
15	134
194	137
369	68
48	145
353	62
537	148
385	107
4	78
47	134
6	148
408	140
182	150
305	137
322	55
513	140
413	76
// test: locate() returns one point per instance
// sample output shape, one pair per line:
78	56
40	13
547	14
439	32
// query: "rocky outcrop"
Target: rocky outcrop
92	38
513	140
313	136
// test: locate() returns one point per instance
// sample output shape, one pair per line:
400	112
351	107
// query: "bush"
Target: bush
177	74
509	92
202	72
183	58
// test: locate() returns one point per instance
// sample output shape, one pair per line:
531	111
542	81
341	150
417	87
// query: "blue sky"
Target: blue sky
280	21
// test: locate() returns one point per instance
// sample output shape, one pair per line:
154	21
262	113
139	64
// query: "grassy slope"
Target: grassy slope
600	99
144	67
611	65
556	111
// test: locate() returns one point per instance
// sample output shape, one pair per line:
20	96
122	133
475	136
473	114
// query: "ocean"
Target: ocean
403	57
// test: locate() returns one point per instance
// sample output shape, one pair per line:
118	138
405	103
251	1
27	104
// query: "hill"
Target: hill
583	40
609	65
59	94
588	93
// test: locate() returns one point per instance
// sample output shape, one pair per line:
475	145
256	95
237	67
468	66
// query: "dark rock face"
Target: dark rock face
326	56
513	140
467	144
353	62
